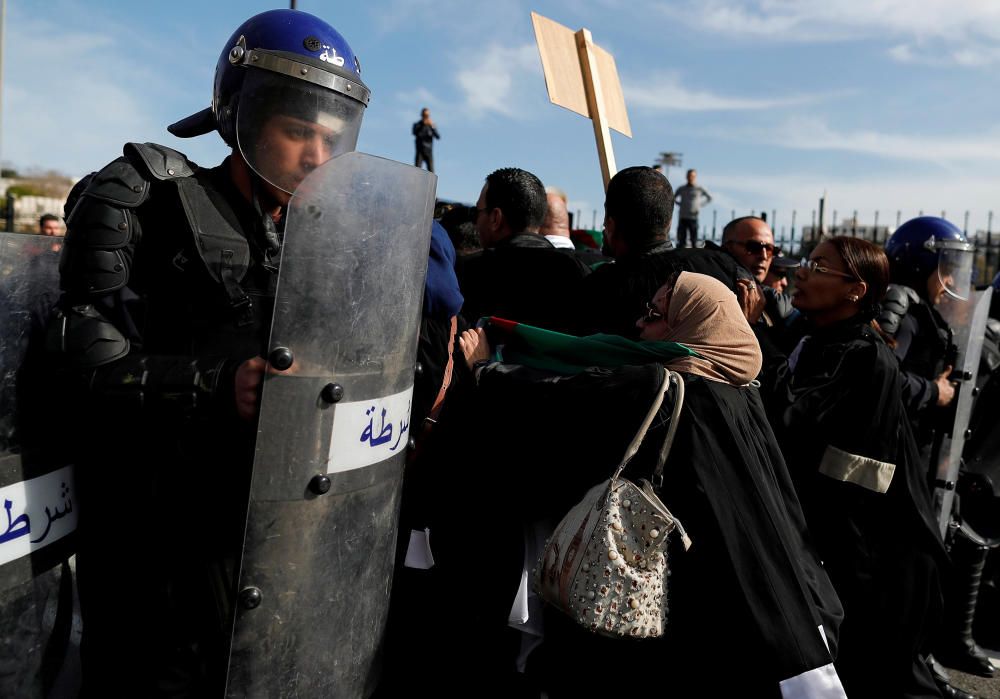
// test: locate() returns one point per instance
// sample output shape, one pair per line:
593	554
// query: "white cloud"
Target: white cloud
74	114
964	32
664	92
805	133
969	55
490	78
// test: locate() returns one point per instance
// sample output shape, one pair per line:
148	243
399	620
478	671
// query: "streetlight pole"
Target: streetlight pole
666	161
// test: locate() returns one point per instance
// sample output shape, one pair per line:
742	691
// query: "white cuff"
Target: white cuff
869	473
818	683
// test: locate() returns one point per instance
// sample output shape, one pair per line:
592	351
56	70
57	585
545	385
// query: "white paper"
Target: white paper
818	683
418	551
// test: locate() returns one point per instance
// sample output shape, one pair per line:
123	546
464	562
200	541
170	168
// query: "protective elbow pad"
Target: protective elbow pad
86	338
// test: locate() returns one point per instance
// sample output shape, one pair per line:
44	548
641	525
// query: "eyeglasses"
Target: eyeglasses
813	266
755	247
652	313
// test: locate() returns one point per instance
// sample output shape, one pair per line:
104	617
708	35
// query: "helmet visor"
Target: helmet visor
954	271
286	128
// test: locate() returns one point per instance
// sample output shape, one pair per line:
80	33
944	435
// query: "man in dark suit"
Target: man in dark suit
518	275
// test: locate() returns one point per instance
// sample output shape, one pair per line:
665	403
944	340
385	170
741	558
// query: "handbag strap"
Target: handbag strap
668	378
675	416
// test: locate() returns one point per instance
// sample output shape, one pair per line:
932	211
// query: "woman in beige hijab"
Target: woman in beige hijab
750	583
701	313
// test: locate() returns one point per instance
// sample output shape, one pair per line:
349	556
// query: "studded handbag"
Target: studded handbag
605	564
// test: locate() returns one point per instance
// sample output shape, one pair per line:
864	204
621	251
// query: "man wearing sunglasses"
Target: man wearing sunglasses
750	241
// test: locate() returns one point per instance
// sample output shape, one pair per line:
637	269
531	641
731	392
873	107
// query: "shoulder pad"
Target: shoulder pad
159	161
75	193
895	304
993	331
902	293
118	183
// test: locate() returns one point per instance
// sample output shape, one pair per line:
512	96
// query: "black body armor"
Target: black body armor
168	284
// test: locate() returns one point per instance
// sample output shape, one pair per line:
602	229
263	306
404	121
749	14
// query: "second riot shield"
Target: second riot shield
39	652
333	432
967	319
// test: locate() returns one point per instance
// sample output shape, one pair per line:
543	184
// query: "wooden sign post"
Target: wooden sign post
582	77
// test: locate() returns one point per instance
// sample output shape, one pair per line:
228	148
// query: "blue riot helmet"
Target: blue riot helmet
288	94
930	245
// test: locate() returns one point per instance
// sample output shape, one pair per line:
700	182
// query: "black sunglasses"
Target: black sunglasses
755	247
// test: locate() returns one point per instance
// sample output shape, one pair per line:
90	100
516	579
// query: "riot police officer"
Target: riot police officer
930	260
931	267
168	279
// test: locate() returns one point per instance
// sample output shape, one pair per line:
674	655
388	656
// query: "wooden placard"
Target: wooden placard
564	76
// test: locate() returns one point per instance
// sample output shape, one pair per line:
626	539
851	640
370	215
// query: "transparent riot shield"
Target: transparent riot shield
333	430
967	319
39	650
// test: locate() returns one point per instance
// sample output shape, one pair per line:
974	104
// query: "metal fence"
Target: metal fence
797	239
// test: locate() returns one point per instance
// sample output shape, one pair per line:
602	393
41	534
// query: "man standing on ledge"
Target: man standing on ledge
689	198
424	134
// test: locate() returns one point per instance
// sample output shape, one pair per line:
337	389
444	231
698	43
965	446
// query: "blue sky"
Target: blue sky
883	104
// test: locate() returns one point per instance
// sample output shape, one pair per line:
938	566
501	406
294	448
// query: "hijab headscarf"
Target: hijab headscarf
705	316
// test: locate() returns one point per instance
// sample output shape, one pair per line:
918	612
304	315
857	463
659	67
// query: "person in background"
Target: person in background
50	225
931	264
749	241
638	209
555	229
780	270
424	133
460	223
518	275
690	198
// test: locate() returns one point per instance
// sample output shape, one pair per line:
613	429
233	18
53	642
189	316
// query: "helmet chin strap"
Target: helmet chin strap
272	238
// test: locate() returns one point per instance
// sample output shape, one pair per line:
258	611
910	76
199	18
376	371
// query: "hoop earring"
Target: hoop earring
852	298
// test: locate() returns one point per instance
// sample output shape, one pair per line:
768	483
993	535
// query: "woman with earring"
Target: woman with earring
839	418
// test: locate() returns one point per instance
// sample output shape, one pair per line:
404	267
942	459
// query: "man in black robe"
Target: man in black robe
518	275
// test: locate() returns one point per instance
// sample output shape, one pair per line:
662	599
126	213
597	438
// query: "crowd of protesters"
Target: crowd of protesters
797	469
786	437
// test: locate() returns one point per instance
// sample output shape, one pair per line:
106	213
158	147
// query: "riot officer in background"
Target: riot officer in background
168	279
924	311
929	260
